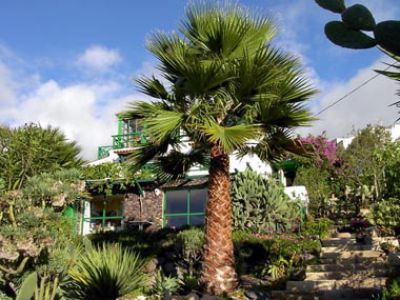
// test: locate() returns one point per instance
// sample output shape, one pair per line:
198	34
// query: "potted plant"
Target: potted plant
359	225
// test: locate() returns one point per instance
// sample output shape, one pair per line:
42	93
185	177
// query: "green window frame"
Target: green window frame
189	213
104	218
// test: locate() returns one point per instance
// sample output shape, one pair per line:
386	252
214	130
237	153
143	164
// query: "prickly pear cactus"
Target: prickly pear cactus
260	204
387	34
358	17
336	6
339	34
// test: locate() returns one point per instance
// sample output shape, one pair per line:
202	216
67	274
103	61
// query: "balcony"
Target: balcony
121	141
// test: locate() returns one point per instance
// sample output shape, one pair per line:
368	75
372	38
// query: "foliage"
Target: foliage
392	291
213	97
317	227
189	244
389	157
163	285
261	205
318	191
44	290
30	150
387	213
348	179
34	235
106	272
262	255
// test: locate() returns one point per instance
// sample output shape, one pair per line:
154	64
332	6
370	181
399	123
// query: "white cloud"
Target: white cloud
75	110
369	105
99	59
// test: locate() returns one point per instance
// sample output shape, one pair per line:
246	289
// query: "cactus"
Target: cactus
261	204
336	6
339	34
358	17
387	34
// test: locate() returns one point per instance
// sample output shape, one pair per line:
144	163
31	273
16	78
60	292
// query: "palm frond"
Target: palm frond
230	138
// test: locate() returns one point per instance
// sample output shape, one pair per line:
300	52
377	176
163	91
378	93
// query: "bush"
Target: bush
164	284
317	227
106	272
189	244
386	213
261	256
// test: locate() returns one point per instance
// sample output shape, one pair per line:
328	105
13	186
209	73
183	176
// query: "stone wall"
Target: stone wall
144	208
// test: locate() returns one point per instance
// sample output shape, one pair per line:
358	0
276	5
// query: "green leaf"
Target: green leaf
230	138
28	287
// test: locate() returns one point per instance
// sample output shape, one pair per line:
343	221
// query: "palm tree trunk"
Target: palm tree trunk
218	269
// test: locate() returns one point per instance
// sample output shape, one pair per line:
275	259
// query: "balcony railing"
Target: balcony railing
121	141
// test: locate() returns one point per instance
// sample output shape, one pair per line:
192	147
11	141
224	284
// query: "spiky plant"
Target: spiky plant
106	272
227	91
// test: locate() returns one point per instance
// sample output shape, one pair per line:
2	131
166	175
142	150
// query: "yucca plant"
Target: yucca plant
106	272
228	92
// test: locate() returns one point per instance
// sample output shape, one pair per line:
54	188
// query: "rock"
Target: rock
257	295
192	296
394	259
209	297
309	256
251	294
151	266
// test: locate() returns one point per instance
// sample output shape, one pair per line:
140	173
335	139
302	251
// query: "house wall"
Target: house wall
148	207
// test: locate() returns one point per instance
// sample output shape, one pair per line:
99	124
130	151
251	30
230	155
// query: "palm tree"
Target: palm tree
228	91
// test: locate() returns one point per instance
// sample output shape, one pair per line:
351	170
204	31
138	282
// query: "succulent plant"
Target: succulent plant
339	34
336	6
357	18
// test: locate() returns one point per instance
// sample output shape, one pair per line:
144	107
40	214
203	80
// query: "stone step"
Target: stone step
285	295
344	235
337	242
344	294
353	254
352	260
347	267
349	247
310	286
350	275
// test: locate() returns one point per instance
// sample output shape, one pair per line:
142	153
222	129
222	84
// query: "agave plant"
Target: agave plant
106	272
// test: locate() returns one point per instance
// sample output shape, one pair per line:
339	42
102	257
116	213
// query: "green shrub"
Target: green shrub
106	272
387	213
318	227
261	205
189	247
164	284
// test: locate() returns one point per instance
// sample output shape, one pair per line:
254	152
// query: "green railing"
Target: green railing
120	141
128	140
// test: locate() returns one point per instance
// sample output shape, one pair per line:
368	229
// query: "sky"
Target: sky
71	64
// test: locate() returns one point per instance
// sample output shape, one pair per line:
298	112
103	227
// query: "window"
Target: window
105	213
184	207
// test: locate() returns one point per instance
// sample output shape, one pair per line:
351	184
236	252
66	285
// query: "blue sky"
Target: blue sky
71	63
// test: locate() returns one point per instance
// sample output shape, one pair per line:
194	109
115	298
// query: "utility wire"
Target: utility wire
353	90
